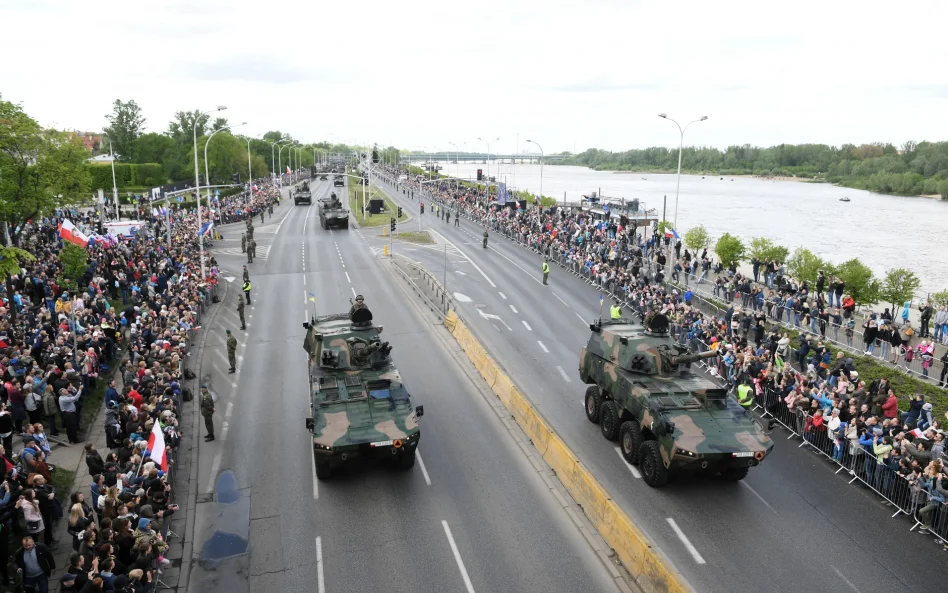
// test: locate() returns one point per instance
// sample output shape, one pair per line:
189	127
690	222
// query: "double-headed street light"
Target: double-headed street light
681	144
457	162
207	176
197	178
487	185
541	168
280	156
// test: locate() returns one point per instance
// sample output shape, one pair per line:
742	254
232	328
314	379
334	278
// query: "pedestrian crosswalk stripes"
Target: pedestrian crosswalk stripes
263	252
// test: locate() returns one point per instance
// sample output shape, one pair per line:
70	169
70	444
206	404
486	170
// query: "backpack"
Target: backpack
186	394
189	374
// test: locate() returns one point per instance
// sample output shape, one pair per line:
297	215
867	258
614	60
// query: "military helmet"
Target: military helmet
359	297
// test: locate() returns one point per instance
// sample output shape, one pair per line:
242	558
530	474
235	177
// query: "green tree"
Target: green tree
804	265
11	262
765	250
859	280
663	226
730	249
126	124
75	262
152	148
939	298
697	238
899	285
181	127
943	189
40	170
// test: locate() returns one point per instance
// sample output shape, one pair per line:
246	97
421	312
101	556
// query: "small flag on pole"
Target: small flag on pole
312	297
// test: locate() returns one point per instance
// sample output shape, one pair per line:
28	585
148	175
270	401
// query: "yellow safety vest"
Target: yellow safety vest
546	268
744	396
616	311
246	286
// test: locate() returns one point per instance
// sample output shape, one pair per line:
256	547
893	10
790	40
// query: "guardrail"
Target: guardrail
442	301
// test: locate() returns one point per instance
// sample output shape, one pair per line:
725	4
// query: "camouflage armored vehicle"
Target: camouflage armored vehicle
666	417
302	195
338	180
360	409
332	214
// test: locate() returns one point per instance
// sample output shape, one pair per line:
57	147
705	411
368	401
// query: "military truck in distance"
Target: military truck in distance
302	195
332	214
338	180
666	417
359	406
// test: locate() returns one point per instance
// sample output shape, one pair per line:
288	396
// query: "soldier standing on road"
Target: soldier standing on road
246	289
457	218
485	238
261	215
253	247
251	251
448	215
207	410
232	352
243	243
270	208
246	275
546	270
240	311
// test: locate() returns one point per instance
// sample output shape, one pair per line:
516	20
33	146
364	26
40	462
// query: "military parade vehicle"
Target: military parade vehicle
359	406
302	194
338	180
666	417
332	213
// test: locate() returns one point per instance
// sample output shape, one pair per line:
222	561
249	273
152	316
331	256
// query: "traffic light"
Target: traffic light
635	205
393	225
399	211
236	177
480	174
422	208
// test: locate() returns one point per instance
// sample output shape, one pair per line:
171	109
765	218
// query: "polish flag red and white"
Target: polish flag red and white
288	170
69	232
156	444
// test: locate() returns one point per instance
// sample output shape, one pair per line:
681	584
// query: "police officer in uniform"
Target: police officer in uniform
485	238
745	396
243	242
240	311
232	352
246	289
615	311
545	268
207	410
359	304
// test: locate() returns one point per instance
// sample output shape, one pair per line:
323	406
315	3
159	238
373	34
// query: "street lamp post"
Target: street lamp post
249	167
197	181
118	215
541	169
457	165
681	144
280	159
207	177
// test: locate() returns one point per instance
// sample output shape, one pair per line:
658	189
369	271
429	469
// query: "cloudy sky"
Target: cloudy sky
569	74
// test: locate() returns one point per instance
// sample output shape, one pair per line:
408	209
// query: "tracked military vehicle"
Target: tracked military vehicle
666	417
302	195
332	214
360	409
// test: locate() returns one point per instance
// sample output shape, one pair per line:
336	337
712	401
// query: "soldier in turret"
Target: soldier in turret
359	304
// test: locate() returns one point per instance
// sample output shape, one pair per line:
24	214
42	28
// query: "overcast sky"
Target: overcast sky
579	73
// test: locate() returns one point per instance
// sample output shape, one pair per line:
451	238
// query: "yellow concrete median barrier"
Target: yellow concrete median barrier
650	569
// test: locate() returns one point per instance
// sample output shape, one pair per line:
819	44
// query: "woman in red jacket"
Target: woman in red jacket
890	409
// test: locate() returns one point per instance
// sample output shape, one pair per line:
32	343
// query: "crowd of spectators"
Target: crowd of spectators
901	454
133	310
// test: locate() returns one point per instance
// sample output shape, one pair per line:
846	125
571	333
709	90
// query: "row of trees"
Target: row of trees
173	149
897	286
912	169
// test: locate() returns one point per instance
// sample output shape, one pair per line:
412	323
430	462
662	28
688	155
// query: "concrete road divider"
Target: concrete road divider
650	569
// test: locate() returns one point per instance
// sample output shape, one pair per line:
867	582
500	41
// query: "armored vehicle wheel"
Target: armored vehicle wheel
630	439
406	461
735	474
654	471
609	420
593	401
323	470
345	225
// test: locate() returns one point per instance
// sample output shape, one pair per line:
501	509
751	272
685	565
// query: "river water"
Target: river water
882	231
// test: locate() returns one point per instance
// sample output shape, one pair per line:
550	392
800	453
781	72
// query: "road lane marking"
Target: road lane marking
563	374
492	316
761	498
312	466
502	295
632	468
836	570
476	267
304	297
684	540
512	308
542	346
457	558
320	582
353	291
560	300
304	280
348	278
281	222
424	470
581	319
526	325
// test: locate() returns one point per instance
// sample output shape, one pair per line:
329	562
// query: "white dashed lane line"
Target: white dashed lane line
526	325
564	375
685	541
502	295
632	468
512	308
543	347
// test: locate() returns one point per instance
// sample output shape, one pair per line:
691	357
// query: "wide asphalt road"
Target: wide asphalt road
473	514
791	525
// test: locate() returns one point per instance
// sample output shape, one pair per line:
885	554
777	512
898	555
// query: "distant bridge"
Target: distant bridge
475	157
